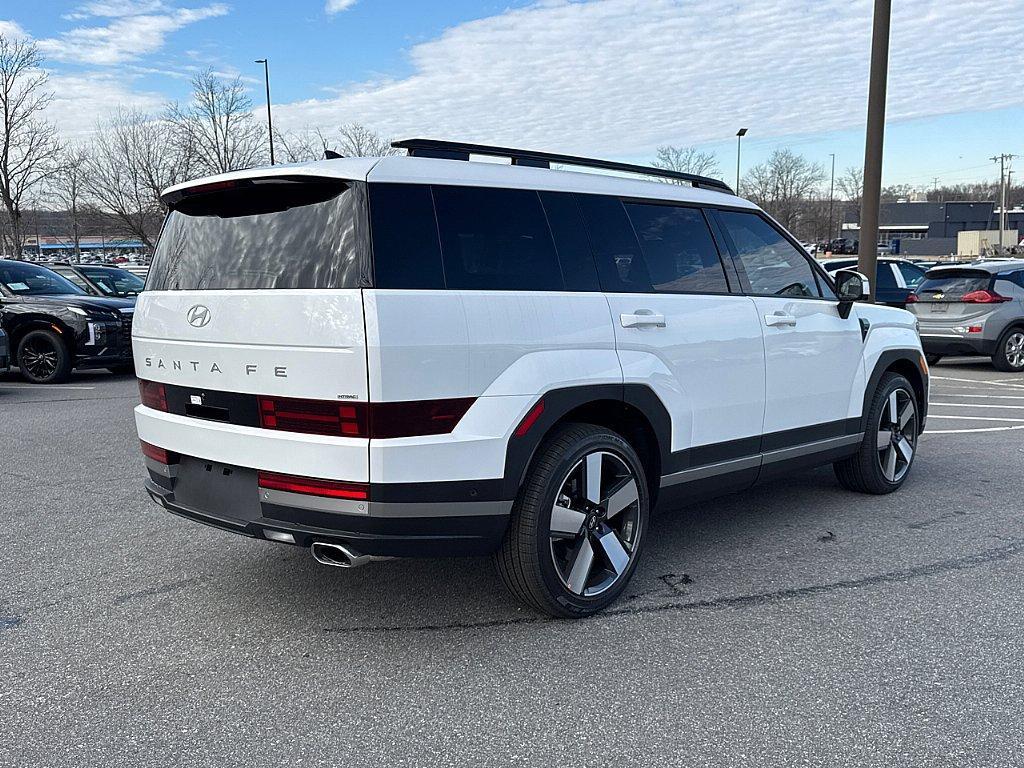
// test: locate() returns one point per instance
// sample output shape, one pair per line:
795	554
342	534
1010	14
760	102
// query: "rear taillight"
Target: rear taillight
374	420
311	486
158	454
912	299
314	417
154	395
983	297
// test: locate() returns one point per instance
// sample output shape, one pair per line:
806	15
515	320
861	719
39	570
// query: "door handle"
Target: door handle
779	318
641	318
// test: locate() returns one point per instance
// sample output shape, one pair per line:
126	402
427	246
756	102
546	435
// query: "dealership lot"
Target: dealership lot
795	624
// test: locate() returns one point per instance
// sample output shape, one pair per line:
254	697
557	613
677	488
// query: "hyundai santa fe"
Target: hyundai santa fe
427	355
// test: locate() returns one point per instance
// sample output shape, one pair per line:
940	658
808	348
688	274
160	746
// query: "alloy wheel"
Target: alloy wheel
595	524
1015	349
897	435
39	357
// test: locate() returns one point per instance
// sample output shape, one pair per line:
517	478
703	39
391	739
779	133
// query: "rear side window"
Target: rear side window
406	251
571	241
952	284
773	265
620	264
495	239
265	233
678	250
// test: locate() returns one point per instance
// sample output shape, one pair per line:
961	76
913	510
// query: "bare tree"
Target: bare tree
300	146
851	184
217	128
356	140
67	188
133	160
686	160
28	143
783	184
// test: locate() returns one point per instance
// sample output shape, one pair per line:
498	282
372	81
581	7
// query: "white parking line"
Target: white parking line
965	431
987	397
972	418
982	383
976	405
40	387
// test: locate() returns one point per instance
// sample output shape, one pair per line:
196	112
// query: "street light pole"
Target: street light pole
739	137
831	195
867	256
270	122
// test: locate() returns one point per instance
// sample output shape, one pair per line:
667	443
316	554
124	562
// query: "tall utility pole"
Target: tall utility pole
1002	160
867	256
831	195
739	137
270	122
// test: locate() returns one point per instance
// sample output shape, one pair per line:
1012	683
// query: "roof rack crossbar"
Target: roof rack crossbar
454	150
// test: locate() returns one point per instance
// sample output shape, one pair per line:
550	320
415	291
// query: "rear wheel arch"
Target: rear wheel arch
633	411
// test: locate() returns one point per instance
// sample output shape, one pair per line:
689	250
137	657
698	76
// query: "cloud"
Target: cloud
136	29
337	6
82	99
11	29
618	77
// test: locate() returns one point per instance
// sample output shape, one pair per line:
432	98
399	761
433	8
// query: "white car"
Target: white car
426	355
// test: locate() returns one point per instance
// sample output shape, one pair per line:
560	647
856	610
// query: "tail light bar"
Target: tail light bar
310	486
983	297
912	299
368	420
153	394
158	454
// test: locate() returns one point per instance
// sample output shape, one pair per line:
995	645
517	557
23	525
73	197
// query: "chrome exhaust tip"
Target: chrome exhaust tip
340	555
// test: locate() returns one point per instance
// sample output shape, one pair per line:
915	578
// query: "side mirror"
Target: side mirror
851	286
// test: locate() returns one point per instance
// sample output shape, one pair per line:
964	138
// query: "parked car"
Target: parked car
895	280
5	351
54	326
973	309
101	280
417	356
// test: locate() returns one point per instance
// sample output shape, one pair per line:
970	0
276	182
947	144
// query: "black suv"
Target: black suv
54	326
100	280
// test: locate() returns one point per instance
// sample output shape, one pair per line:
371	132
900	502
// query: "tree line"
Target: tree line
111	183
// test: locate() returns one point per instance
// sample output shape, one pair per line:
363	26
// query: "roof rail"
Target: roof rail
455	150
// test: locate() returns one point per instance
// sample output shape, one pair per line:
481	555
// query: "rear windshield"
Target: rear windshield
952	284
265	233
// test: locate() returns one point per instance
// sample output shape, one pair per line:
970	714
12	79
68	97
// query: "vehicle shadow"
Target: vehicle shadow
780	535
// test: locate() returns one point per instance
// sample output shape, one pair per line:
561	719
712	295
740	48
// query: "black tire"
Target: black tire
1007	355
868	470
530	557
932	359
44	358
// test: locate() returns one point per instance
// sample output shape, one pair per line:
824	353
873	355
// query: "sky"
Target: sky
607	78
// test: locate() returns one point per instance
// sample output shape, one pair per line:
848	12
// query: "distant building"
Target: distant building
930	229
60	246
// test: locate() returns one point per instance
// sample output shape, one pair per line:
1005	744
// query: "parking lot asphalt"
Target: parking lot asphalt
794	624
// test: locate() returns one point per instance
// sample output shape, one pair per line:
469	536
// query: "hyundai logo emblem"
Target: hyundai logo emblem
198	316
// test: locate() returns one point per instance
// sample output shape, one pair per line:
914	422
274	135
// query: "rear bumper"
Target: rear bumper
948	344
391	529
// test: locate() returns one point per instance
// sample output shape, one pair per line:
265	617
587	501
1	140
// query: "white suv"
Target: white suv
426	355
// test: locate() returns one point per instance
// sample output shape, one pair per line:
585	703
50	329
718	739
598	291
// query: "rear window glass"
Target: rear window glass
678	249
952	285
495	239
406	251
619	262
265	234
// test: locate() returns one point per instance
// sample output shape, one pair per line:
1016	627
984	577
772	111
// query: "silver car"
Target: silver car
973	309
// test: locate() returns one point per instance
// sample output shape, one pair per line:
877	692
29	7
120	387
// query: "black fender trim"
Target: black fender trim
560	402
911	359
